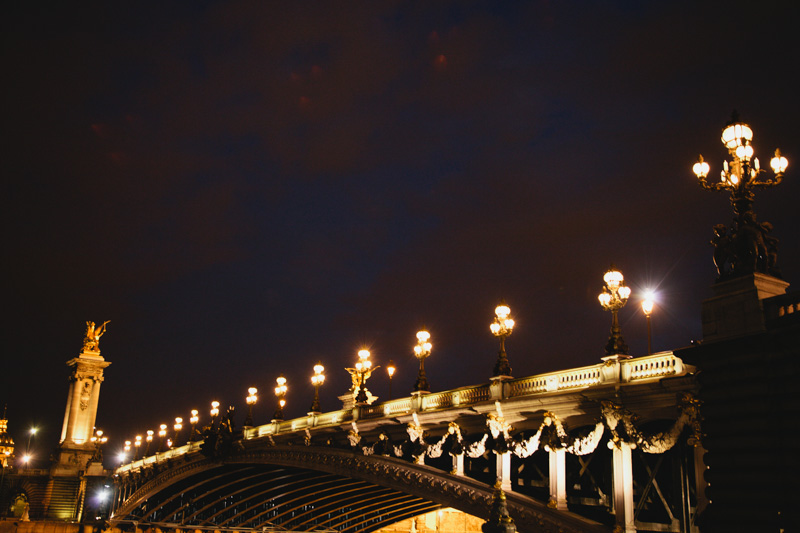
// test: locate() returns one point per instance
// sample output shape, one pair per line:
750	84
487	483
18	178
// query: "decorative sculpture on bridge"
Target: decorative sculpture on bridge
222	440
359	375
91	339
748	248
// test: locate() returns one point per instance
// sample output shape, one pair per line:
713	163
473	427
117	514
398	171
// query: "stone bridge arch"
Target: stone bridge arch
311	487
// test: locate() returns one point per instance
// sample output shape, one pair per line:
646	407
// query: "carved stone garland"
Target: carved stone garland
551	436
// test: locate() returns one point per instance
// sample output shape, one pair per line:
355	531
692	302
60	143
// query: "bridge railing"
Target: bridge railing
160	457
554	381
653	366
612	371
782	308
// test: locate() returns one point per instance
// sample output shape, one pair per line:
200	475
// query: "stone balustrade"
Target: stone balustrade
783	307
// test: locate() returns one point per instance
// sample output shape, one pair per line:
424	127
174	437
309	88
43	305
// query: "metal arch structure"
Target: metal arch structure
303	488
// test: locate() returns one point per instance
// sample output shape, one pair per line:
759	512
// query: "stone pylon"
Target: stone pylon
76	447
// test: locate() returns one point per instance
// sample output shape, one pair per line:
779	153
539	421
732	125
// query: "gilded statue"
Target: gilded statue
359	378
91	341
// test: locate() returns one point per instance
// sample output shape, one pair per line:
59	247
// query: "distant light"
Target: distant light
648	303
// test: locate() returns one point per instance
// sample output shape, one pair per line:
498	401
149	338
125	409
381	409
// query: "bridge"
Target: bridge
608	446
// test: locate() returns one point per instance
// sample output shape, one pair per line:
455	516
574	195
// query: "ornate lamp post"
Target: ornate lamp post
148	439
502	328
194	419
363	368
647	309
317	379
178	426
252	398
137	443
613	298
390	369
280	392
748	248
98	439
162	434
421	351
127	448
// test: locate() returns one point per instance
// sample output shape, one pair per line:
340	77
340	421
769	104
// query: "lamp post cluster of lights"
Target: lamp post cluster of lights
421	351
317	380
748	248
98	439
178	426
501	328
193	420
251	399
744	171
164	441
280	392
613	298
162	434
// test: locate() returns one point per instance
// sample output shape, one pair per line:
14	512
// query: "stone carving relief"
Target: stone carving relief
86	395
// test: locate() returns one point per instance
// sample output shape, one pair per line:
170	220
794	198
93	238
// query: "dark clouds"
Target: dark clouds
247	188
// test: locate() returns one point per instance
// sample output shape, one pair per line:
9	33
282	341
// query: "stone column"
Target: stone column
94	403
74	406
558	480
84	397
623	488
67	411
458	464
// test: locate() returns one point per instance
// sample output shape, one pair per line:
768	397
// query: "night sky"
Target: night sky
245	189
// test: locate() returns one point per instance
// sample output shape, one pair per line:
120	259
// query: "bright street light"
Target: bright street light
422	350
748	248
317	379
647	308
613	298
501	328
